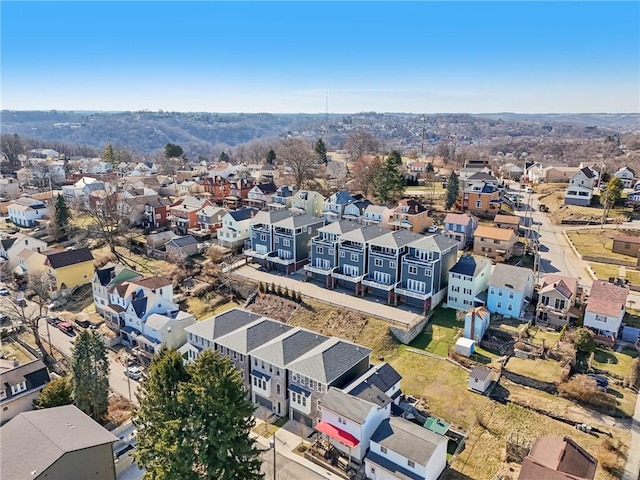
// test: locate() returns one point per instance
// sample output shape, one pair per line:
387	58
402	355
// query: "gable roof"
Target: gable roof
480	373
606	298
290	346
494	233
339	228
298	221
7	242
412	441
509	219
469	265
364	234
558	458
483	176
434	243
587	172
184	241
156	281
267	187
396	238
345	405
34	373
251	336
50	432
382	376
567	286
510	276
458	218
218	325
243	214
626	238
268	217
69	257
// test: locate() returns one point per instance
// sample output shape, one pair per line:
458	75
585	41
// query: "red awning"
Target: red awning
337	434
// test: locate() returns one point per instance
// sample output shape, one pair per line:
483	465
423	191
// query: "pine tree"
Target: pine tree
110	155
271	157
453	189
224	157
194	421
56	393
285	292
390	182
62	213
321	150
90	369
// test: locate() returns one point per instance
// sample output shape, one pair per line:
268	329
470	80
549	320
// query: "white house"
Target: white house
605	309
377	215
627	176
307	201
476	323
24	211
580	189
400	449
382	377
467	280
10	248
235	228
349	421
480	379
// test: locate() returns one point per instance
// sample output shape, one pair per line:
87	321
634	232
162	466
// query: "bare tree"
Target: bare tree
108	220
42	285
365	172
11	145
360	143
299	159
256	151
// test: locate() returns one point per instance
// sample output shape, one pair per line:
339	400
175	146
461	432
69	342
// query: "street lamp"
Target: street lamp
272	444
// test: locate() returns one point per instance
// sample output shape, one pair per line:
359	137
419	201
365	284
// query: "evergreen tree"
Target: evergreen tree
453	189
611	195
56	393
395	157
271	157
110	155
171	150
194	421
321	150
62	213
390	182
224	157
90	369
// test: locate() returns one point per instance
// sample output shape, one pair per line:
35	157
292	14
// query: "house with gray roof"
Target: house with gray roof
235	228
59	443
334	206
377	215
179	248
401	449
282	198
510	290
382	377
468	281
20	385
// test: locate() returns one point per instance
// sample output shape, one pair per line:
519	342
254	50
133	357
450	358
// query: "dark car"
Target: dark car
53	320
601	382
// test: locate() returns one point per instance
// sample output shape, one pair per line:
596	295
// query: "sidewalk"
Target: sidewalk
286	442
395	316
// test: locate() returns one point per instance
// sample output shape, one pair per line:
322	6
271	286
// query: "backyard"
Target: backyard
545	370
598	243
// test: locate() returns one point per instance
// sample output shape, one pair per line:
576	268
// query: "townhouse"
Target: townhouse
235	228
238	191
510	290
281	239
605	309
307	201
556	298
410	215
104	280
218	187
460	227
468	280
580	189
496	243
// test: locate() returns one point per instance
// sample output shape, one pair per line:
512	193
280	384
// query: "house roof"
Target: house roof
51	433
480	373
469	265
485	177
434	243
157	281
7	242
626	238
407	439
458	218
606	298
157	321
288	347
69	257
298	221
567	286
243	214
414	207
267	187
558	458
345	405
251	336
104	274
339	228
509	219
382	376
396	238
494	233
510	276
266	217
376	208
588	172
331	359
364	234
184	241
34	373
341	197
218	325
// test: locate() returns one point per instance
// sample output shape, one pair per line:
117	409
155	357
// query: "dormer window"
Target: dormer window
20	387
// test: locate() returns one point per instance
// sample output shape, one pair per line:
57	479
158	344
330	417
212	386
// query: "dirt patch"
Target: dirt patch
119	410
274	306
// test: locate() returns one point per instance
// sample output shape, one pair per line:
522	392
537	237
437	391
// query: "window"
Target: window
319	389
478	203
255	362
392	264
277	388
342	255
499	293
277	372
499	305
263	237
286	242
294	377
510	294
377	262
304	401
3	394
413	270
342	420
319	250
509	307
383	449
411	463
354	257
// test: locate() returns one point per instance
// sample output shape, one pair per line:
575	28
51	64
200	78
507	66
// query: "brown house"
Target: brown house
626	245
507	221
558	458
492	242
556	301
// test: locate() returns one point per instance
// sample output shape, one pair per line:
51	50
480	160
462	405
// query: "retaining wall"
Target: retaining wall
407	336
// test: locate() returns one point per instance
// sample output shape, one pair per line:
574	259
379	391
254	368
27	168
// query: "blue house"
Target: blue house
323	257
261	235
510	290
460	227
291	241
333	208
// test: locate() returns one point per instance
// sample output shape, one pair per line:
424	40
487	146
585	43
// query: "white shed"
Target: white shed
480	379
465	346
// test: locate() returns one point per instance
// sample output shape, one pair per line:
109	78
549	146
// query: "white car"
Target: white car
432	229
133	372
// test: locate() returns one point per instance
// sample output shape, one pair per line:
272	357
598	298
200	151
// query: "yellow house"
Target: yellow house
70	268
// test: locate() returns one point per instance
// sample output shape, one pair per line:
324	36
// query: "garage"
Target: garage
263	402
300	417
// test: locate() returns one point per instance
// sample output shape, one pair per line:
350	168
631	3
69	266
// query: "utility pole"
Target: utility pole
274	456
422	141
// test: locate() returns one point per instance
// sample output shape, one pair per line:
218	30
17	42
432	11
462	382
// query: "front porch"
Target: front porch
323	453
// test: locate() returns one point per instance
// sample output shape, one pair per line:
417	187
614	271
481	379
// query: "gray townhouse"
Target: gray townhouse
333	363
282	198
261	235
424	271
384	261
323	256
460	227
353	255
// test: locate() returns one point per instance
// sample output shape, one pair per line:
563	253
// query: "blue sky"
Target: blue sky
422	57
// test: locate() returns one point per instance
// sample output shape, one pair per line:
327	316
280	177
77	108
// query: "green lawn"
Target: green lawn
633	276
632	317
614	362
546	370
438	335
597	242
603	271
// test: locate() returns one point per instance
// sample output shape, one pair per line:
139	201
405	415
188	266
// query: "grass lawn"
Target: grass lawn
438	335
597	242
268	429
550	337
614	362
546	370
13	349
603	271
633	276
144	264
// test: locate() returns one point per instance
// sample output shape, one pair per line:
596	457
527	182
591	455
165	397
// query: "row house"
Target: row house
581	186
496	243
556	301
334	206
282	198
627	176
235	228
281	239
286	370
307	201
605	309
210	218
238	191
410	215
260	195
104	281
468	279
184	213
460	227
218	187
156	212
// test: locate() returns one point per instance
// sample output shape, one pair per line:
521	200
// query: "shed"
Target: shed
465	346
480	379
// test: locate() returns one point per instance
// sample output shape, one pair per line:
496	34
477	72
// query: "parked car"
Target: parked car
21	302
432	229
4	319
4	291
529	190
601	382
133	372
65	327
53	320
543	208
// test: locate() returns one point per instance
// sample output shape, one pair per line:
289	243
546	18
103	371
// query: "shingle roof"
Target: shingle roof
270	217
509	219
268	187
396	239
341	197
7	242
605	298
558	458
458	218
140	306
298	221
434	243
343	226
69	257
469	265
216	326
382	376
626	238
104	274
157	281
243	214
34	373
567	286
480	373
35	440
483	176
184	241
248	338
345	405
412	441
510	276
364	234
588	172
494	233
290	346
